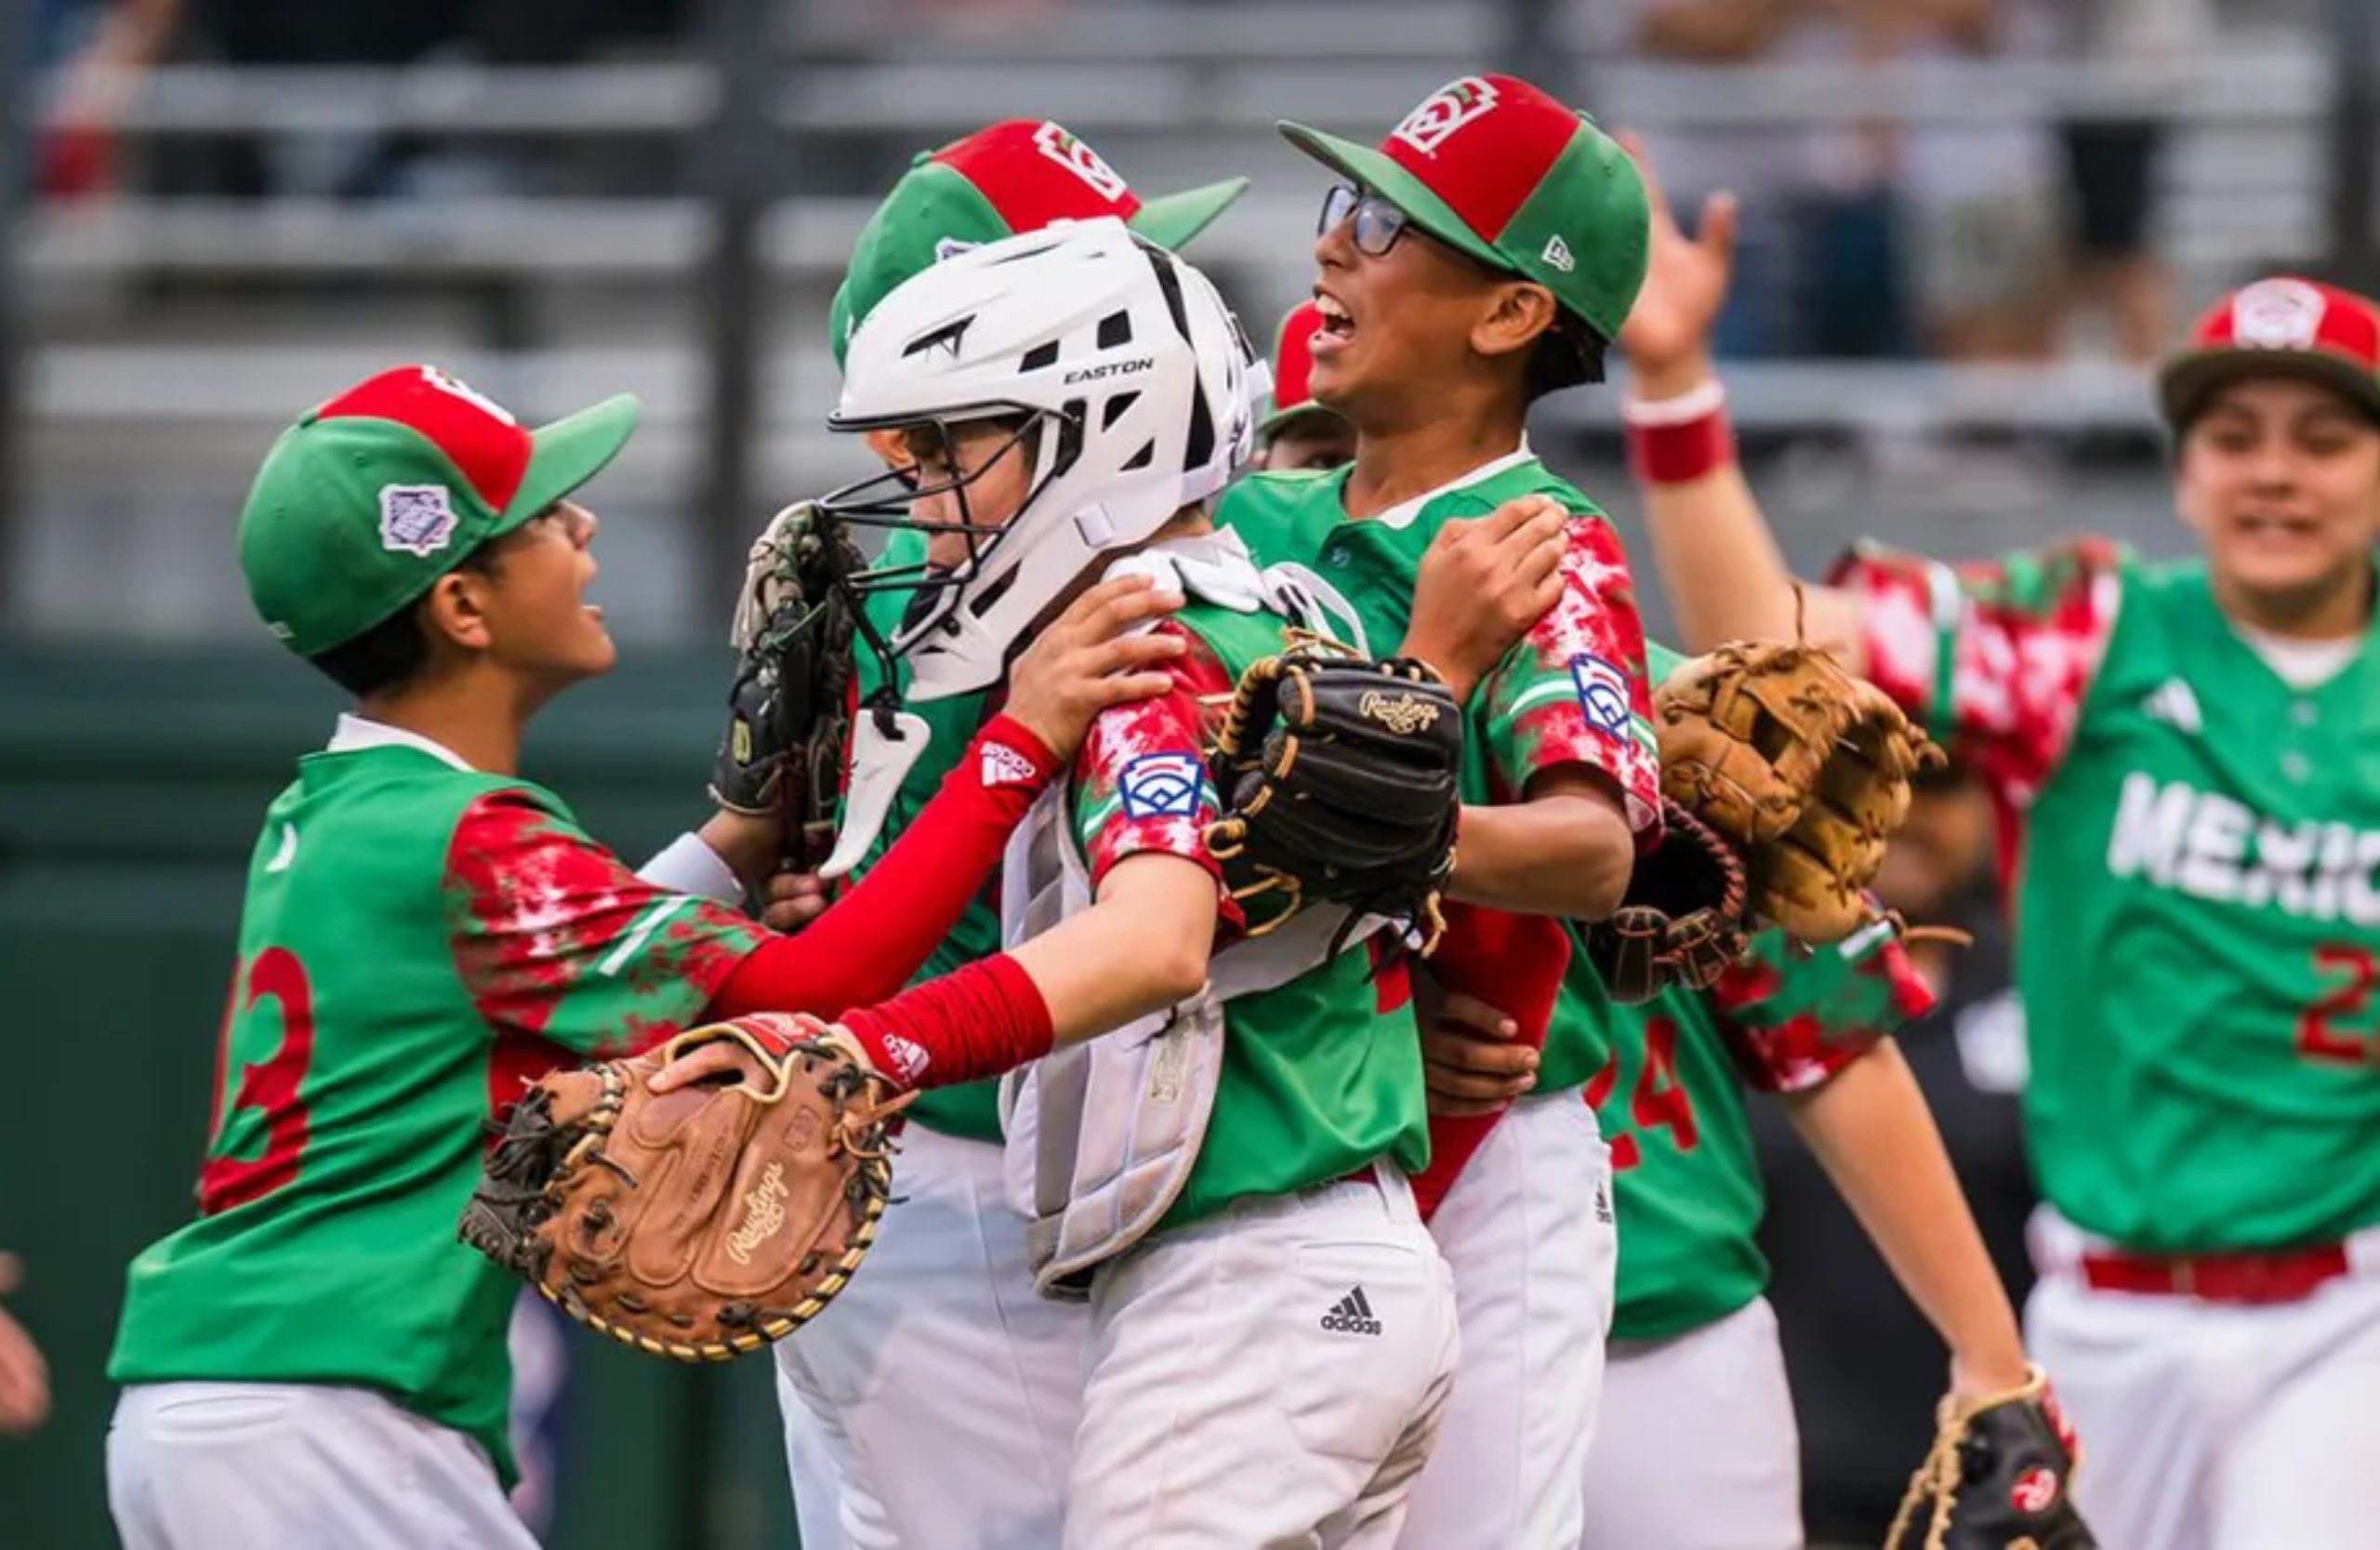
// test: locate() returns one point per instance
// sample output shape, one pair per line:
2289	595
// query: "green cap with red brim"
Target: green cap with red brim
1497	169
374	495
1017	176
2278	327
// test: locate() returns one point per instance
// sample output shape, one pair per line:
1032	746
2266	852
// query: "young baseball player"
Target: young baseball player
2182	754
316	1359
1253	1120
980	1373
1483	256
1300	434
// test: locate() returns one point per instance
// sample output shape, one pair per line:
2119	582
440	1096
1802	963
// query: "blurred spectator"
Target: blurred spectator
99	49
1866	1369
1981	199
1300	433
25	1377
1819	265
2112	166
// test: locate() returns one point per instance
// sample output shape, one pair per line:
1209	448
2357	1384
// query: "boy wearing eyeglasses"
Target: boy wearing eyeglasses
1481	257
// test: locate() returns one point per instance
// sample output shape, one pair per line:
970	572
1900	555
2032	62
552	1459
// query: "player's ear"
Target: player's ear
454	611
1517	312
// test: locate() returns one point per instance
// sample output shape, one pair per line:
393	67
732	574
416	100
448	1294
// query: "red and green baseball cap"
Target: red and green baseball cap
2284	327
1293	371
374	495
1017	176
1495	168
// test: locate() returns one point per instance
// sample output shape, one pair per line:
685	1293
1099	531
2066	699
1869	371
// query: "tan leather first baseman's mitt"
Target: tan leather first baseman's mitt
1338	779
698	1223
1999	1476
1801	767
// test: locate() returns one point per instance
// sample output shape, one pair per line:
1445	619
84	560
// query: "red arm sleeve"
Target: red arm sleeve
873	939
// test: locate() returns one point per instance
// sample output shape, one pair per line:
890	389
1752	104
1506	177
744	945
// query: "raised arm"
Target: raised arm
1711	546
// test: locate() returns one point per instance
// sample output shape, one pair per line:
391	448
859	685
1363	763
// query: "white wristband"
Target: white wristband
1684	409
687	865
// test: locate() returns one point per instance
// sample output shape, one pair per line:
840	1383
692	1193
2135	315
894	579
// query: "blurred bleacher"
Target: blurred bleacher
560	242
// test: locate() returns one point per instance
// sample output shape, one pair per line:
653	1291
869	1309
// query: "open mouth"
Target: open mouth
2274	525
1338	325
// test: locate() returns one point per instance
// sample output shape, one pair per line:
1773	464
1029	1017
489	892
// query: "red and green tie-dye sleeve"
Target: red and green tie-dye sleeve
1140	780
1793	1020
1570	690
557	939
1994	656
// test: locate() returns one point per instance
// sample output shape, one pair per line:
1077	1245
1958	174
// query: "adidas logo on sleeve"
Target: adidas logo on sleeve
1351	1315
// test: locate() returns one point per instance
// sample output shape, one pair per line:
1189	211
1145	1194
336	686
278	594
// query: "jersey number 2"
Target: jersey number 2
269	1086
2316	1039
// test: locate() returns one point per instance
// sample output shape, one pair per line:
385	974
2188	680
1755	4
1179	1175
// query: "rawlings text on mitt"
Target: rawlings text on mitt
1999	1476
1337	777
701	1222
787	716
1801	767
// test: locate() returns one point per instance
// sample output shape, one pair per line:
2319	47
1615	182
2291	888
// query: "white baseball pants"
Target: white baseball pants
281	1467
1529	1232
1268	1379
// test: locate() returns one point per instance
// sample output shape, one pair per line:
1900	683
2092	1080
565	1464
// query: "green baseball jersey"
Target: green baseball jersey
969	1109
418	941
2192	841
1321	1076
1670	1103
1563	696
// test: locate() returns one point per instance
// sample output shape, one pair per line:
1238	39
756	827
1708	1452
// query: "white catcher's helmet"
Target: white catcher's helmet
1136	388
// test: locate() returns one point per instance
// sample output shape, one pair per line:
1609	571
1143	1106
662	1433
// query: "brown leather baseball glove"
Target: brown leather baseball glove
702	1223
1803	768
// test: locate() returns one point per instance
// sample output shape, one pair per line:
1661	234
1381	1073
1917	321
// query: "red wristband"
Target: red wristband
978	1021
1680	440
1007	753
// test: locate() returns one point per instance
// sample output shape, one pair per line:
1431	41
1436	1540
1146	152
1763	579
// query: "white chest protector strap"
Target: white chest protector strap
1102	1136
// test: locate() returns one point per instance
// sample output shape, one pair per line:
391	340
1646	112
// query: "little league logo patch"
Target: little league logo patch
1054	142
415	519
1603	693
2278	314
1163	786
1444	111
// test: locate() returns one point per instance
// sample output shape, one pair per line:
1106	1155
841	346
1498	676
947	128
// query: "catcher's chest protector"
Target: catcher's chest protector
1102	1136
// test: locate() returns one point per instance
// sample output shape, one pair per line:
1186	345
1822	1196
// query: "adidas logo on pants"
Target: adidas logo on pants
1353	1316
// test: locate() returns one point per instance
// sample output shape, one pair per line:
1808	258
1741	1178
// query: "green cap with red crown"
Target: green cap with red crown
1016	176
374	495
1498	170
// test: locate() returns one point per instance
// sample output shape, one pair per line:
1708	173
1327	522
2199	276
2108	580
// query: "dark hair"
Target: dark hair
392	653
1568	354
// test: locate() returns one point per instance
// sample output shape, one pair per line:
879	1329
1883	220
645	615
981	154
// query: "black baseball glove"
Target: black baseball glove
787	712
1339	779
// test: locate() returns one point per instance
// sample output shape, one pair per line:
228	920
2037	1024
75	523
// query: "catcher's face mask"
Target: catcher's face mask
1121	383
958	480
